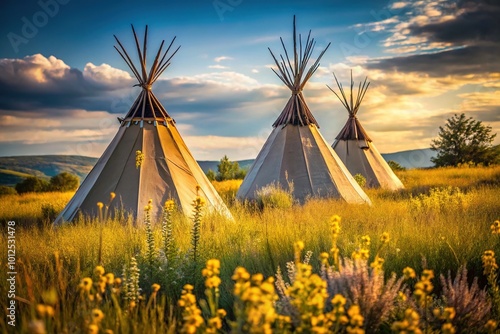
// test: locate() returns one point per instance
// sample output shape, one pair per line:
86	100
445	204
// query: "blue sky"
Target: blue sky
62	84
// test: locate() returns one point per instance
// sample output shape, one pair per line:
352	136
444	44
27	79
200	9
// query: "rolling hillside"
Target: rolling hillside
15	169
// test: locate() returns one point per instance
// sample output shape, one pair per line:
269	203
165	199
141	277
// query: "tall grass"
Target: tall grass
430	226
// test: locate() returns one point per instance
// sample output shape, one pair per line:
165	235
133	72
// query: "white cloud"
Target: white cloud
221	58
104	73
218	67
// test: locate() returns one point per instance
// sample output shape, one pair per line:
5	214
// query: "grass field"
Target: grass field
440	221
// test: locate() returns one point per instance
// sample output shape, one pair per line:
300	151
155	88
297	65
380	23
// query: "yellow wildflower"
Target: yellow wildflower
112	196
338	300
100	205
377	263
97	316
364	254
93	329
489	262
324	257
257	279
427	274
86	284
409	273
240	273
490	326
169	205
215	322
99	271
221	313
365	240
199	201
212	282
40	310
155	287
335	225
448	328
384	237
495	227
449	313
110	278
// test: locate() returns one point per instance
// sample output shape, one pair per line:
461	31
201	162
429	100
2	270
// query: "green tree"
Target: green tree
395	166
64	182
227	170
32	184
463	140
211	175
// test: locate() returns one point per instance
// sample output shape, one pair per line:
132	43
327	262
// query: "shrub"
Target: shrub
360	179
64	182
49	213
32	184
5	190
439	200
395	166
211	175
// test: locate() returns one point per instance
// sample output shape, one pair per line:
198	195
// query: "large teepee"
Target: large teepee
295	151
355	147
147	159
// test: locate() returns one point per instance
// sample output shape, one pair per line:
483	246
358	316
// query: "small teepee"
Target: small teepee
295	151
355	147
147	158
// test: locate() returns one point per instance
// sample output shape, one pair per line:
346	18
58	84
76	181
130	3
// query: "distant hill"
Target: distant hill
14	169
413	158
206	165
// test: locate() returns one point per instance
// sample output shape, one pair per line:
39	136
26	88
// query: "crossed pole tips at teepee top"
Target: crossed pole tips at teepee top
147	106
351	106
159	66
353	128
295	75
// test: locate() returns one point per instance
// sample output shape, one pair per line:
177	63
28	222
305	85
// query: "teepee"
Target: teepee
147	158
355	147
295	151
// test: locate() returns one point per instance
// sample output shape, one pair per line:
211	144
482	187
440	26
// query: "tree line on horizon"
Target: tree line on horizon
462	141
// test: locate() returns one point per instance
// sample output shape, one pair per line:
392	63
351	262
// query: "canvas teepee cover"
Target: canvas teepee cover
295	150
168	170
355	147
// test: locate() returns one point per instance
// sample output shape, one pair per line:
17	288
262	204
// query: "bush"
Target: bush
49	213
360	179
64	182
273	196
5	190
227	170
32	184
211	175
395	166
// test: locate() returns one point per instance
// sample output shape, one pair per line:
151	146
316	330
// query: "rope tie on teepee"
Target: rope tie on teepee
146	86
